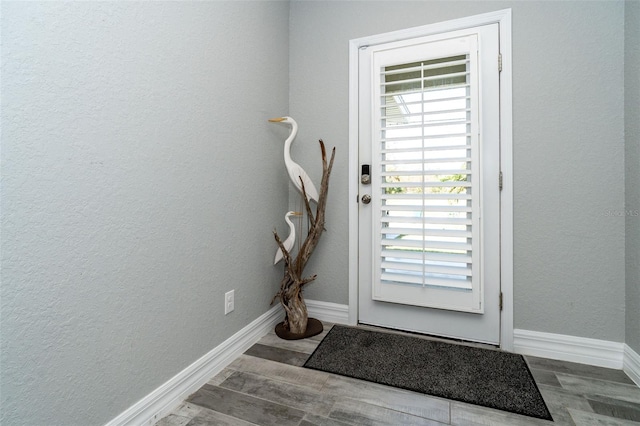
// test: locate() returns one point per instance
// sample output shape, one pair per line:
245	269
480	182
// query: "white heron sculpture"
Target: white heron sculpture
296	172
291	239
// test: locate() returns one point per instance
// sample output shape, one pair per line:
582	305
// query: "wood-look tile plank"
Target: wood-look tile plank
300	397
615	408
173	420
221	377
245	407
278	371
210	418
468	414
588	386
388	397
360	413
558	399
187	410
313	420
576	369
583	418
545	377
285	356
306	346
561	417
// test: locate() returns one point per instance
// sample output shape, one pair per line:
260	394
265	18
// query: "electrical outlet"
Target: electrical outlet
229	303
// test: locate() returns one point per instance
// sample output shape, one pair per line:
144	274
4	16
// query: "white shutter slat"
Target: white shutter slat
426	125
426	113
426	232
427	137
420	80
429	244
426	172
425	208
464	184
427	161
401	267
405	70
452	258
453	221
433	99
395	148
428	281
434	197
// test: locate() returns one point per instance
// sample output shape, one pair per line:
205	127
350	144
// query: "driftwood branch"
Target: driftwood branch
290	292
307	205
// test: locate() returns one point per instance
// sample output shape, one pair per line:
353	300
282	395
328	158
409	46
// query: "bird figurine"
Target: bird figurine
296	172
288	243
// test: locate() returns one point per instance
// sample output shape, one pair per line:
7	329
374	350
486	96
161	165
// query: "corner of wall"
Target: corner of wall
632	173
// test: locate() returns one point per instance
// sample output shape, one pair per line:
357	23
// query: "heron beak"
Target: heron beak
276	120
297	213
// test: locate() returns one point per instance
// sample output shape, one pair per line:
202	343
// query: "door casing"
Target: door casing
503	19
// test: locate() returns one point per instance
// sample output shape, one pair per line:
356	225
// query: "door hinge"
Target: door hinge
500	181
499	62
500	301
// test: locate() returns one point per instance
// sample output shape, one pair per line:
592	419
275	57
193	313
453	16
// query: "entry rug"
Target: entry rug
486	377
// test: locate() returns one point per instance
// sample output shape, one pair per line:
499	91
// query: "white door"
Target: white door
429	215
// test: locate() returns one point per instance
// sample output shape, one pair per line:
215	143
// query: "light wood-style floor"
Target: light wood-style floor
267	386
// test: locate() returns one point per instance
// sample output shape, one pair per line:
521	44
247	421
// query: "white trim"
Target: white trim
506	196
601	353
632	364
354	46
327	311
497	16
503	18
161	401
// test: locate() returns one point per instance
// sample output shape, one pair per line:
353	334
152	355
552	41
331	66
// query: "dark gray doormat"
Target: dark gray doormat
486	377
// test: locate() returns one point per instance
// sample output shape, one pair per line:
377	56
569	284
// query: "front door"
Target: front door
429	211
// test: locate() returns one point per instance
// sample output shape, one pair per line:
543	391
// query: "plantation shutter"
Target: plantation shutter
426	176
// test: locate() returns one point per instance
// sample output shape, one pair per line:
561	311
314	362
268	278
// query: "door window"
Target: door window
425	158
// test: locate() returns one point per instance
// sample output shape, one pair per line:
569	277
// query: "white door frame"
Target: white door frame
503	19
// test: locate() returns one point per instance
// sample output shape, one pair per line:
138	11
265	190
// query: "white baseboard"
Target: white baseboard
601	353
327	311
632	364
161	401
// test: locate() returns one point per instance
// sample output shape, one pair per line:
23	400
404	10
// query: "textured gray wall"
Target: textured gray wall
632	167
138	185
568	148
138	179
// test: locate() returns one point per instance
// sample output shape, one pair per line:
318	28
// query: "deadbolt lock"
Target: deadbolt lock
366	198
365	176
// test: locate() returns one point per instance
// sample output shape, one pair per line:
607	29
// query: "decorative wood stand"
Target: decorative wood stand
314	327
297	324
